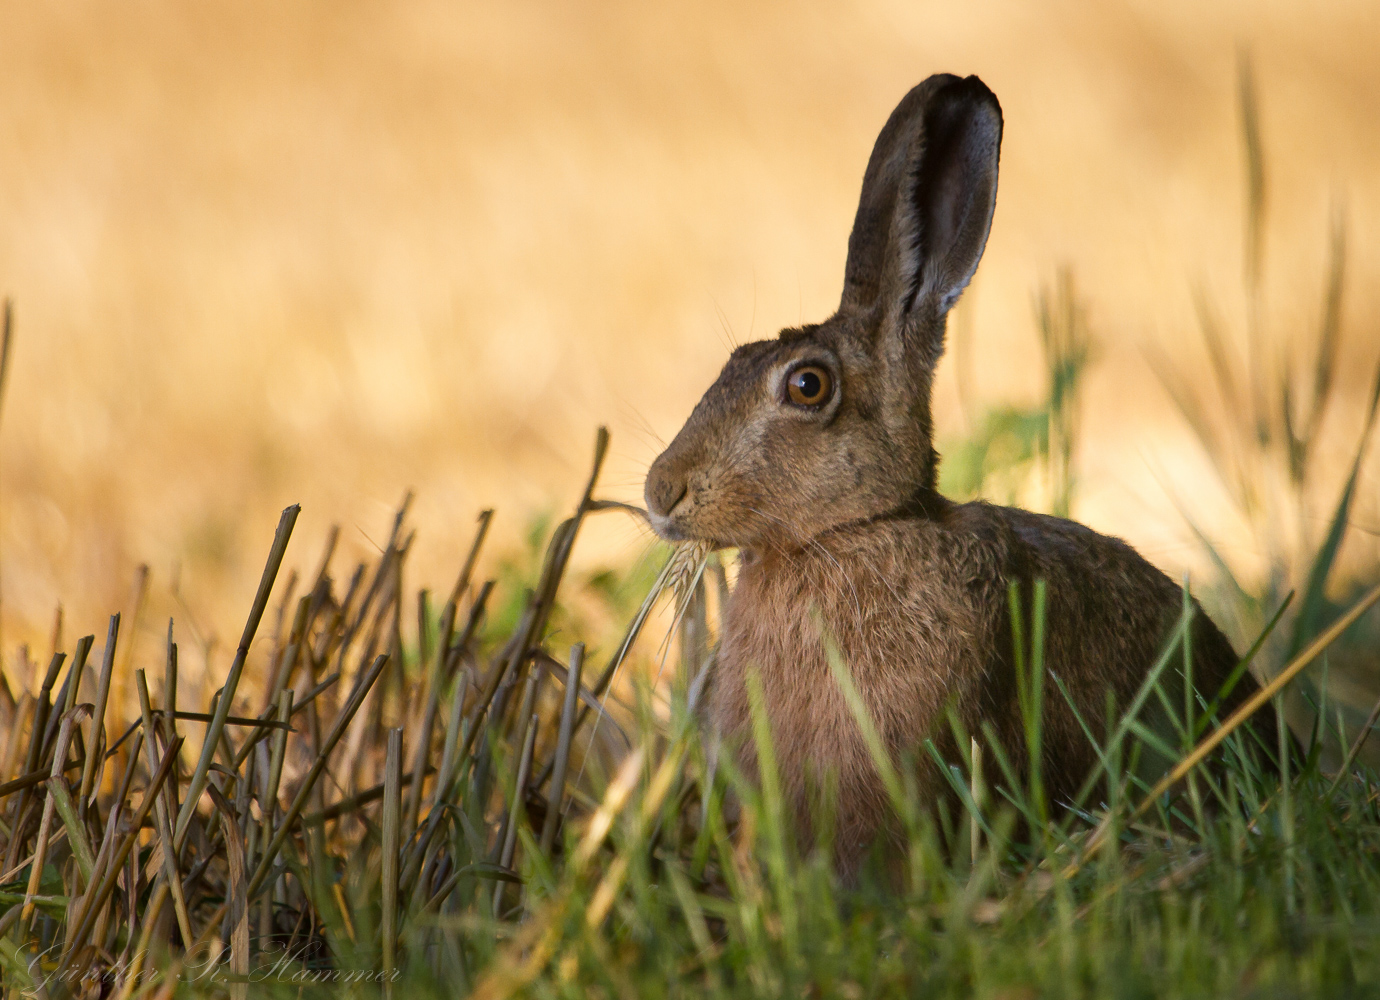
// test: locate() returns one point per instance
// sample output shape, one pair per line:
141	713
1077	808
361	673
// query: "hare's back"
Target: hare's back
1109	614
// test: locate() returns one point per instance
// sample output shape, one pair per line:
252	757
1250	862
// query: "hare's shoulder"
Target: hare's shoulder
968	555
1072	556
978	546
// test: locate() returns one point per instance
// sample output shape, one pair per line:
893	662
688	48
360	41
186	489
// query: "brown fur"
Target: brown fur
842	534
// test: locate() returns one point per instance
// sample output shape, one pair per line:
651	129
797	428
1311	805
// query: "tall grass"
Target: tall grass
1260	429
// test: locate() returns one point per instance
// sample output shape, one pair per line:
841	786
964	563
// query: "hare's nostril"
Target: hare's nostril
664	492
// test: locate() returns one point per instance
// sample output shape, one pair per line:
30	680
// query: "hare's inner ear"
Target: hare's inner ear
927	200
955	190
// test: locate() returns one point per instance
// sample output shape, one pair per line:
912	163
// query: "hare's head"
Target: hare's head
831	423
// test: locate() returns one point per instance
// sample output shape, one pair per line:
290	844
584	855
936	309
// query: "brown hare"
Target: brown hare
813	455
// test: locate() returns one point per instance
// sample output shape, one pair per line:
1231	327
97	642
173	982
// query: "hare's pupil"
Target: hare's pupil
808	386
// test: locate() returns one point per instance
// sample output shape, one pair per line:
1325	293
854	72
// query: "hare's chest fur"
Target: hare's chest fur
904	604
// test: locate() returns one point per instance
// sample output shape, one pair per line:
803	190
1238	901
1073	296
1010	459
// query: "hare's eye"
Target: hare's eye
809	386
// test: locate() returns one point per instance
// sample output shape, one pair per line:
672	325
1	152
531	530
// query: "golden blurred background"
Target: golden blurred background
263	253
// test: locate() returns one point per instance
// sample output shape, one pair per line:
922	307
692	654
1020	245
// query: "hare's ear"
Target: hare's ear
927	200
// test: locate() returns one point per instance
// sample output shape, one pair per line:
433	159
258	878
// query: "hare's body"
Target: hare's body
917	605
812	454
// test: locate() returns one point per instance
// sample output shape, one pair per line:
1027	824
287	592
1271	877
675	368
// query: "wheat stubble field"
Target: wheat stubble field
265	254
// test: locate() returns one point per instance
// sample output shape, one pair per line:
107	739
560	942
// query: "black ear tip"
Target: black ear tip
971	91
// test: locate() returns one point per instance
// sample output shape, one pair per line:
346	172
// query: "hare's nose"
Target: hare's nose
664	491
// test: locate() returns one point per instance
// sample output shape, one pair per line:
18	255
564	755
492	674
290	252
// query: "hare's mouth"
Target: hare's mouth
672	529
666	527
